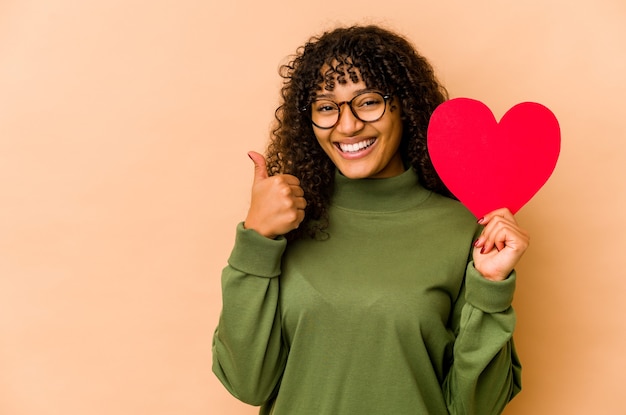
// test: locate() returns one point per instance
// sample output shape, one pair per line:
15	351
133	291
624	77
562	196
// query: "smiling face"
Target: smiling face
362	149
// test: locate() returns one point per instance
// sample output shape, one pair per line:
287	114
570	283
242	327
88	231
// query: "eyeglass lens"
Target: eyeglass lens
367	107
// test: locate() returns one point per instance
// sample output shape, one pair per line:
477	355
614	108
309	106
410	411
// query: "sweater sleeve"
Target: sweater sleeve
486	372
248	351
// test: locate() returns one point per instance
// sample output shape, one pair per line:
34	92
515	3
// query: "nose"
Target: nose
348	123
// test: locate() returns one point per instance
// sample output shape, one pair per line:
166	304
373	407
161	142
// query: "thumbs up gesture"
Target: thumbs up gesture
277	204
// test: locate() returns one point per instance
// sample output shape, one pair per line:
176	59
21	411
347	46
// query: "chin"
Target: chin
352	173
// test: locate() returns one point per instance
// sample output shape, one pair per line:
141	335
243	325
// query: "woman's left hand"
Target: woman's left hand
500	245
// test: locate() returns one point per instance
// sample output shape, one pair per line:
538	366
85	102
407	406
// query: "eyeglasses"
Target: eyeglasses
367	106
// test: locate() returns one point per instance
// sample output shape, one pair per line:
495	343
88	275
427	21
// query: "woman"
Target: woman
357	284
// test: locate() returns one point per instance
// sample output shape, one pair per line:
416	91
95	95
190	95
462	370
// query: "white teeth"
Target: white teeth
351	148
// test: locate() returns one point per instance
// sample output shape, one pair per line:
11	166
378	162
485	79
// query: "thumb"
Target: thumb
260	168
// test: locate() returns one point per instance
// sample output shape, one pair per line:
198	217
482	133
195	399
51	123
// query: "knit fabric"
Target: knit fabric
386	315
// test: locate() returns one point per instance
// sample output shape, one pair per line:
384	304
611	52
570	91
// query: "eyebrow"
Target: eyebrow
357	92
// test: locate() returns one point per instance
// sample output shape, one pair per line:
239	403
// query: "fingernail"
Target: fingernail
481	220
482	250
476	242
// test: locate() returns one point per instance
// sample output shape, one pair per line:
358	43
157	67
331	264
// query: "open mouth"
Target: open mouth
356	147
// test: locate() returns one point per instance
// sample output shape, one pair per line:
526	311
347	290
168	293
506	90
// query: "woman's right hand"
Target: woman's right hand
277	204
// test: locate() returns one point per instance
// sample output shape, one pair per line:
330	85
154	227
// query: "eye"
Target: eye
369	101
324	106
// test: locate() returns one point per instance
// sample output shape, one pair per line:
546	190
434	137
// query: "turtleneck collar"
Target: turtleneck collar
379	195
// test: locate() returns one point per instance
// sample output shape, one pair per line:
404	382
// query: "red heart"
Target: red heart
489	165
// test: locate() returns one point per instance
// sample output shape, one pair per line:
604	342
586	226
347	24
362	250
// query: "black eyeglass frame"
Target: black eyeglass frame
385	97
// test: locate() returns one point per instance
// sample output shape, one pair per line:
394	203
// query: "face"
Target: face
362	149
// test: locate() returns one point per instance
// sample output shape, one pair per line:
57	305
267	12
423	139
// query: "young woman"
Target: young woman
357	284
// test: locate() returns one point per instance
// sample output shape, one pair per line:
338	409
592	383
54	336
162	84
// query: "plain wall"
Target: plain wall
124	127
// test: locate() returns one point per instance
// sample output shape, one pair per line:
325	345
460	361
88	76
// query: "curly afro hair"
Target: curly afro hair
384	61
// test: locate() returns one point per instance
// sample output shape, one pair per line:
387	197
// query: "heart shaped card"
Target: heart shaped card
488	164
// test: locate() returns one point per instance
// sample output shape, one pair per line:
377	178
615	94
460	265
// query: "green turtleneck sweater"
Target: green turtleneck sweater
385	316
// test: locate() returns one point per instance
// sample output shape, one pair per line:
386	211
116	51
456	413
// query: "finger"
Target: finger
501	234
293	219
286	179
503	213
294	203
260	168
300	217
300	203
291	180
487	237
492	222
297	191
500	241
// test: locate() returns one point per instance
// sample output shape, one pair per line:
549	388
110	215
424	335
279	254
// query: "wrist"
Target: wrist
493	277
251	226
487	295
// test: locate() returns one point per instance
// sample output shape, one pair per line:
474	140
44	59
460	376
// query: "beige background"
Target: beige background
124	127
